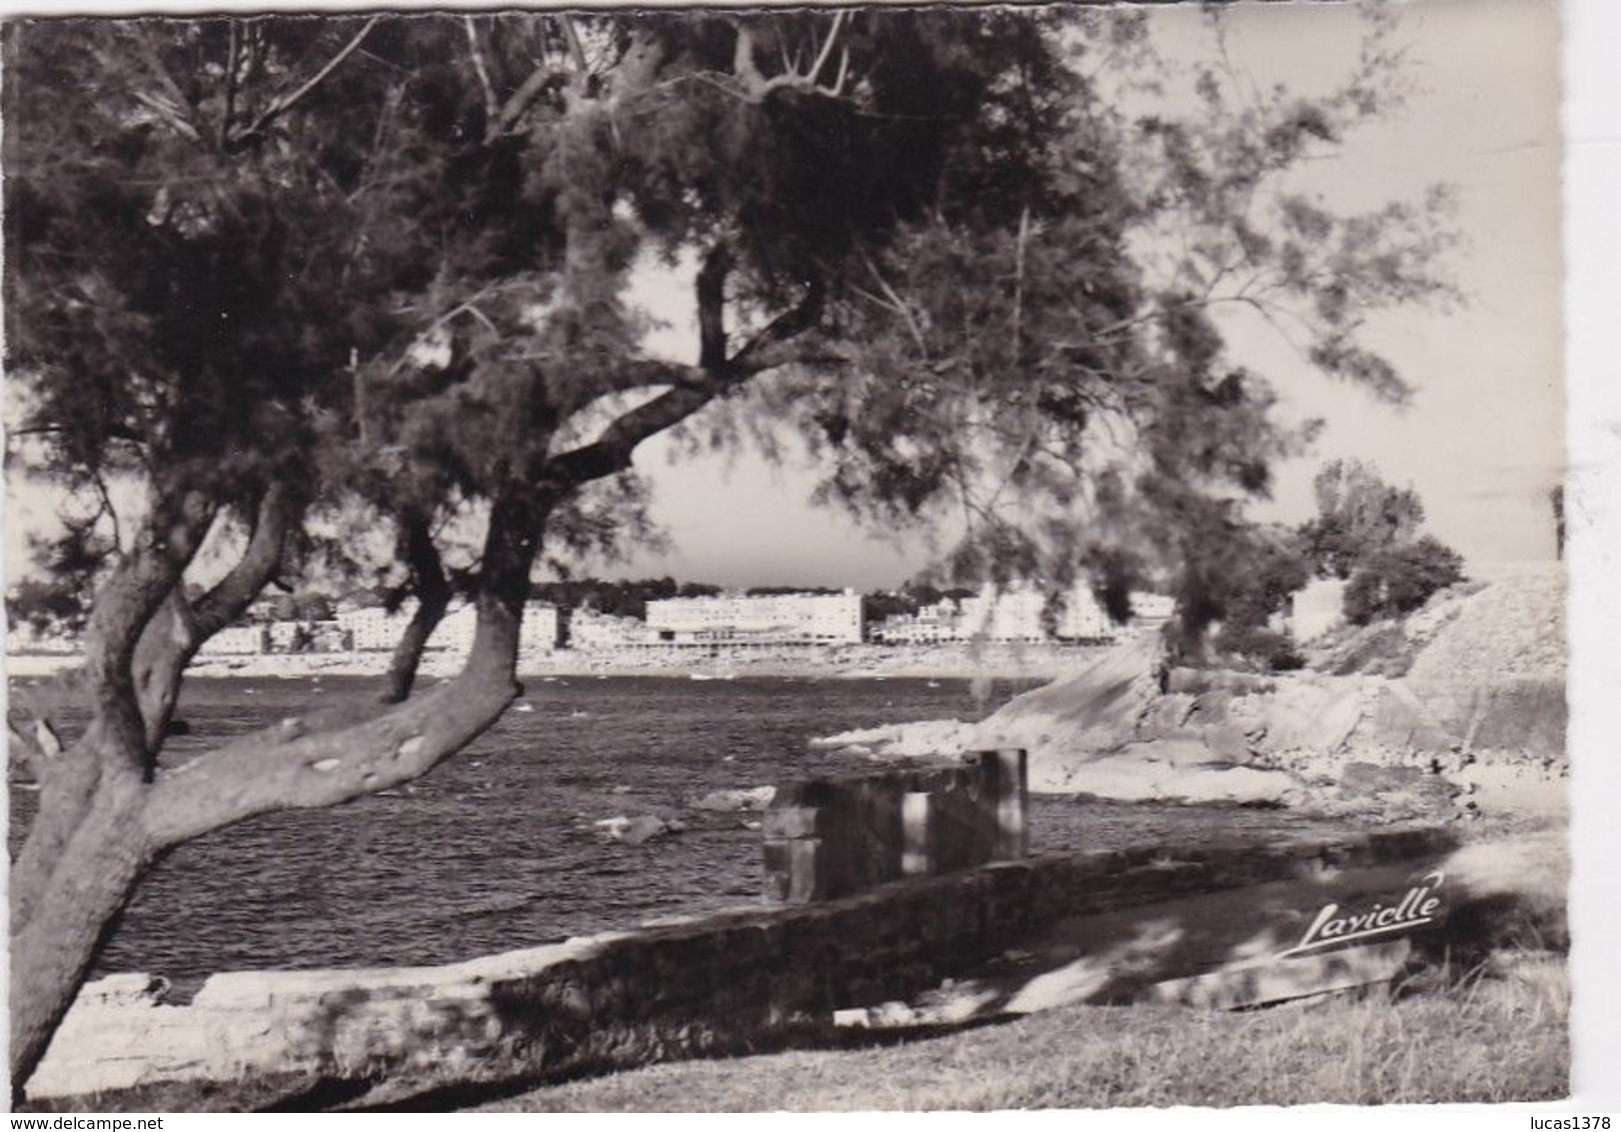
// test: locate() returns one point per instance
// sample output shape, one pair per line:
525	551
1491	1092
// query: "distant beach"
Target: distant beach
946	661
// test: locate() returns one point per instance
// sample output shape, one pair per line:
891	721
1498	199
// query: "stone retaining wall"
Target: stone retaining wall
747	980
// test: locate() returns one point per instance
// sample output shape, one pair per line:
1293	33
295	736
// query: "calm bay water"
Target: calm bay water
495	849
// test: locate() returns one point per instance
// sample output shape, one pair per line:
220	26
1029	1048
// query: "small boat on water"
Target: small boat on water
711	676
525	706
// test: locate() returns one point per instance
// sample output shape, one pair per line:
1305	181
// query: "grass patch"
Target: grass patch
1481	1041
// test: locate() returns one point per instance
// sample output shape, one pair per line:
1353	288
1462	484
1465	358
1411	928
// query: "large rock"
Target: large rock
938	737
1110	732
1512	629
1501	714
1140	774
1097	709
1486	678
733	801
1395	792
637	830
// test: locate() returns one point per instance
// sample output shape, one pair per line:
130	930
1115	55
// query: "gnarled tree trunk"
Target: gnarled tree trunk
66	903
107	811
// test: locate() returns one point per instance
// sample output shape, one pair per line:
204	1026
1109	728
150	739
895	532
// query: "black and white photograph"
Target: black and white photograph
755	559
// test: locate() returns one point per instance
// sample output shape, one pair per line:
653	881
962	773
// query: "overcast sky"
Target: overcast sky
1482	441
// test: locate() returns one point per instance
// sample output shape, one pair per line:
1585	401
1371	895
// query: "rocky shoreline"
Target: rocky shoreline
1459	712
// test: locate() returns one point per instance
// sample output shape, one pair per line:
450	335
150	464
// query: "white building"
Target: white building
591	631
537	634
760	619
1012	616
454	633
371	629
236	640
930	625
1151	607
1317	608
305	636
1084	617
542	628
283	636
1017	616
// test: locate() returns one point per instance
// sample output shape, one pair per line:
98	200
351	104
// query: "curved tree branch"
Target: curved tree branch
773	346
173	636
113	750
260	775
124	606
711	288
576	52
432	589
286	102
316	762
610	453
756	87
491	106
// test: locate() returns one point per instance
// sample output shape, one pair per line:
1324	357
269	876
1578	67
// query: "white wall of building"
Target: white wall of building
1011	616
1084	618
235	640
1317	608
930	625
1016	615
1152	607
372	629
832	618
540	628
454	633
592	631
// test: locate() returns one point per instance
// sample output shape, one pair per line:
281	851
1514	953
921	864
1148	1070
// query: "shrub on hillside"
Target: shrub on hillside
1399	579
1267	648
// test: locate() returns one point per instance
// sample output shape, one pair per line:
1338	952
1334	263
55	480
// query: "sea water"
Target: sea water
497	849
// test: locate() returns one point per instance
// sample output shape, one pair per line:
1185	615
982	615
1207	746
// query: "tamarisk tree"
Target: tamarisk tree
260	272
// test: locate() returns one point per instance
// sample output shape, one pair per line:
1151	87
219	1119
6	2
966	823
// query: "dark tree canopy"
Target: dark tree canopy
1398	579
1368	533
286	278
617	598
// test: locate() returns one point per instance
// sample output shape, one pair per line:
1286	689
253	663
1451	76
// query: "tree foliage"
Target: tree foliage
1398	579
617	598
1241	576
277	275
1358	516
1368	533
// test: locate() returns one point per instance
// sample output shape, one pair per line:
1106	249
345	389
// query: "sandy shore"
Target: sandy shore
1019	662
